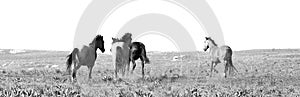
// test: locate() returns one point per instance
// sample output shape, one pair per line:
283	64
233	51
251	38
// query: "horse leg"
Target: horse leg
143	74
226	68
211	68
76	67
116	70
128	66
215	68
133	66
123	69
90	73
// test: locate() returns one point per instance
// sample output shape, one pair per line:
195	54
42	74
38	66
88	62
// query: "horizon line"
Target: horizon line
157	51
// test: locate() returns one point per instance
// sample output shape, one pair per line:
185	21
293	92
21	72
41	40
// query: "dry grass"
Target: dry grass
261	73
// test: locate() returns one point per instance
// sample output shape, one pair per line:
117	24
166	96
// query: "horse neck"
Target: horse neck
127	43
124	51
92	45
212	46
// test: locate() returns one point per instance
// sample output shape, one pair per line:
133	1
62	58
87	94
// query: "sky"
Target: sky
246	24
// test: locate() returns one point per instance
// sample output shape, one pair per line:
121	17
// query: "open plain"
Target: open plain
269	72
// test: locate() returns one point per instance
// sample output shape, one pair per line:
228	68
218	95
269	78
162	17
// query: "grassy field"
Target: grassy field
268	73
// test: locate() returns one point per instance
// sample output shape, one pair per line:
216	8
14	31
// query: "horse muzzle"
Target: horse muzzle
102	50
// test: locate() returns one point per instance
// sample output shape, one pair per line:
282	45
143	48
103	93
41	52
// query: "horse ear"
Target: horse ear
206	38
129	34
114	39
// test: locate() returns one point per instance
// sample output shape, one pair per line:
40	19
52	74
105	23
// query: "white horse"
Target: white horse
218	55
120	53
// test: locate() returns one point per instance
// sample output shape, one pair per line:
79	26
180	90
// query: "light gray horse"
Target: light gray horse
120	53
218	55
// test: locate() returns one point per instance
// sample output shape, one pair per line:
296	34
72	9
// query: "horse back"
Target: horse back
86	55
136	49
119	54
120	50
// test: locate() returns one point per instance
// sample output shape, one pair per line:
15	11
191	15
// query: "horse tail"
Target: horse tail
69	61
232	66
71	57
147	61
229	52
229	55
119	61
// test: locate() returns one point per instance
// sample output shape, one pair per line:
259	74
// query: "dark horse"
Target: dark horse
138	51
85	56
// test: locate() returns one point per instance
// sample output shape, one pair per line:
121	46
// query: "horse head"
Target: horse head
209	43
206	44
99	43
127	38
114	40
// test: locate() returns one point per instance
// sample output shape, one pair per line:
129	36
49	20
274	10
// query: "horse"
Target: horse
120	53
85	56
138	51
219	55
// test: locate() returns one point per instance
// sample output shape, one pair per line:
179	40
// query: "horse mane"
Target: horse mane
125	38
212	41
117	40
98	37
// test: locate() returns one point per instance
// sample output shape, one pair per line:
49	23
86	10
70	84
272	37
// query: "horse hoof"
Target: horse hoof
224	75
74	80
